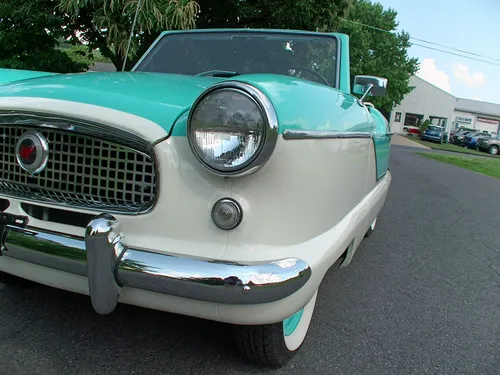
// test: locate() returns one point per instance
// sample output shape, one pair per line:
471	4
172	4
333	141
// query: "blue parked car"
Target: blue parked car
470	140
433	133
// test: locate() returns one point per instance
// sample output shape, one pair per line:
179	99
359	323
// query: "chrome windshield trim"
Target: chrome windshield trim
320	134
109	265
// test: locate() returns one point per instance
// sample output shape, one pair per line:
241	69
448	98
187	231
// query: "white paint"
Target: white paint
146	129
310	201
296	339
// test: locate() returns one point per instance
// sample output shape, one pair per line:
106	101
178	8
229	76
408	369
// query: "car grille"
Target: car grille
83	171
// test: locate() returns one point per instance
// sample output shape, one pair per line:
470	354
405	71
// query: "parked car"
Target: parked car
209	184
489	144
411	129
470	140
458	137
434	133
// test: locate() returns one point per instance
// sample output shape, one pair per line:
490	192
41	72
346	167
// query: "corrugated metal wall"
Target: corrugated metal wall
427	100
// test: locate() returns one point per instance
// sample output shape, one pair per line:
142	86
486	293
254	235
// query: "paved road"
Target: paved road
422	296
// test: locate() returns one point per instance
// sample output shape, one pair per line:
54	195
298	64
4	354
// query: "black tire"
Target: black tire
405	130
493	150
266	344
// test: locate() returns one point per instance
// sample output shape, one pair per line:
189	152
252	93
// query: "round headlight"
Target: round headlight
232	129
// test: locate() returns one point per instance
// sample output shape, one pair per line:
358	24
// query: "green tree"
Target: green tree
106	24
29	33
321	15
380	53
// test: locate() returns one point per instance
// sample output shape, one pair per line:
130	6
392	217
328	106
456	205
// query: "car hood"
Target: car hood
158	97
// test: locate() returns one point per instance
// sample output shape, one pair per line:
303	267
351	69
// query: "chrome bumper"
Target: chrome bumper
109	266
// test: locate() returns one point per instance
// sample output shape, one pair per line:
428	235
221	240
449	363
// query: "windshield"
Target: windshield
308	56
434	128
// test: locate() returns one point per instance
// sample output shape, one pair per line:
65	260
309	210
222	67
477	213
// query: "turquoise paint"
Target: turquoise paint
180	127
290	324
382	142
11	75
345	64
304	105
167	98
158	97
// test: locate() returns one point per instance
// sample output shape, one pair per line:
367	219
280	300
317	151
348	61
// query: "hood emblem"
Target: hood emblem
32	152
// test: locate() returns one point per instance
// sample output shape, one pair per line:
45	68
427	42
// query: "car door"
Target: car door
382	141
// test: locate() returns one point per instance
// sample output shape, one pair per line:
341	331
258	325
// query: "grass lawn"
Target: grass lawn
449	147
487	166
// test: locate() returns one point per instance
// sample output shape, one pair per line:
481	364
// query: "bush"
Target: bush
425	125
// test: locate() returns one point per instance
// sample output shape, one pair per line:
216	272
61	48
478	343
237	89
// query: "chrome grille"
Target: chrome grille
82	171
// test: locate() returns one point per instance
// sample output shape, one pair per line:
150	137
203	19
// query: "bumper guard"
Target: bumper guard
109	265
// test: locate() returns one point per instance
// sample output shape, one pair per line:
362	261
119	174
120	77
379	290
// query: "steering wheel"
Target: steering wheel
318	75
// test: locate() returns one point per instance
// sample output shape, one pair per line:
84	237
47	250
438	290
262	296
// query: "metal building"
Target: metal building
477	115
424	102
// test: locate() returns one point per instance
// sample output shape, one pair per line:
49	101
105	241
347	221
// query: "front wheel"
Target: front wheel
274	345
371	229
493	150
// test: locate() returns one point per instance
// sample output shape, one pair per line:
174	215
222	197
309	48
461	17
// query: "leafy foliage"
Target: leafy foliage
29	32
321	15
106	24
425	125
375	52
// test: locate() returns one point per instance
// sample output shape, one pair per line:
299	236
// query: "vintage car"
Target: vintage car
409	129
220	178
433	133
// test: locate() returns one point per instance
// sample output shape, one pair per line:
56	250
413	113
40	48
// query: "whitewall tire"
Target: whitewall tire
275	344
371	229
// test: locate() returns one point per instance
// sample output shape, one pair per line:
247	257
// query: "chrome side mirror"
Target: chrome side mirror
370	85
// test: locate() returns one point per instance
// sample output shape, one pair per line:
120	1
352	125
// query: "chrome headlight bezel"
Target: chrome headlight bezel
270	130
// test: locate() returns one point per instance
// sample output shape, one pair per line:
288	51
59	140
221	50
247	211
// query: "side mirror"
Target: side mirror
370	85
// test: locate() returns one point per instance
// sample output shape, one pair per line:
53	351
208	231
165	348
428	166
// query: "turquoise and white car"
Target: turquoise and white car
221	178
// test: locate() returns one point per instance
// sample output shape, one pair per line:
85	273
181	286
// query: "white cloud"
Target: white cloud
429	71
465	75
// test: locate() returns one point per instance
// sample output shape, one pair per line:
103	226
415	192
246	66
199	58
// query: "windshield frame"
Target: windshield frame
150	52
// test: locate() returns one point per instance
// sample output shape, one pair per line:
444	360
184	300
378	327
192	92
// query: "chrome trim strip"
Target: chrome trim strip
319	134
49	249
271	132
109	265
73	125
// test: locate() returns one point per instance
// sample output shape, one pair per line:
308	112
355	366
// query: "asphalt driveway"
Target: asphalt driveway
422	296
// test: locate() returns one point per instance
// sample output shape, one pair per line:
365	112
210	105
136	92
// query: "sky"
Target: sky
472	26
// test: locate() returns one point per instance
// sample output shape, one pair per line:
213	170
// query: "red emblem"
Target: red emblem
32	152
27	152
